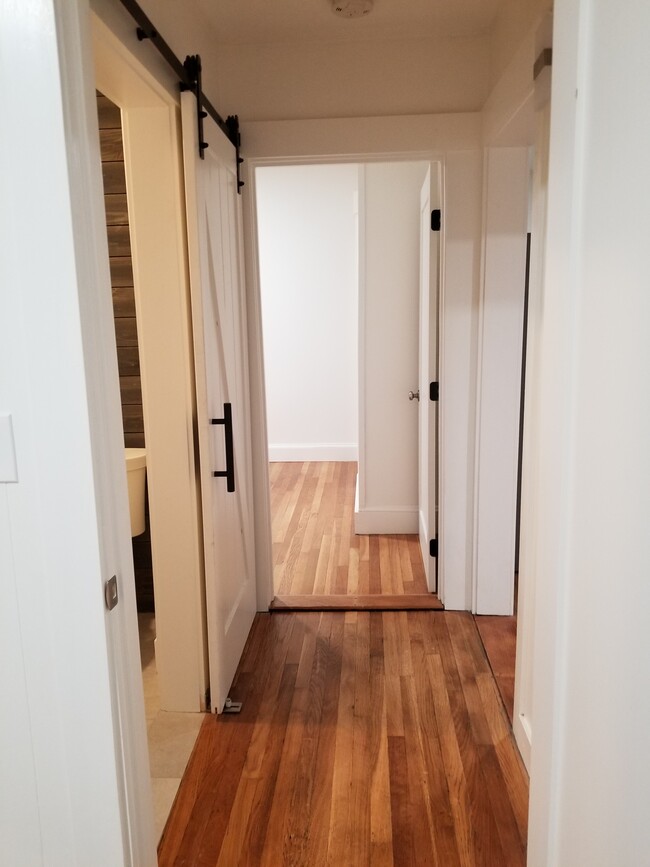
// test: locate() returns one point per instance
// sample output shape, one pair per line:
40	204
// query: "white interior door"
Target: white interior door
214	228
428	373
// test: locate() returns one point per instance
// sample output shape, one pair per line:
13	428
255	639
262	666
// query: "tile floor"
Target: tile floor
171	736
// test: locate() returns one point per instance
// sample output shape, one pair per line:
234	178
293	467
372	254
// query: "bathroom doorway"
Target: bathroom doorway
147	242
126	339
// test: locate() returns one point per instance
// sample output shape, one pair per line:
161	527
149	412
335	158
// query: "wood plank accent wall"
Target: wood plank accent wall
126	331
119	252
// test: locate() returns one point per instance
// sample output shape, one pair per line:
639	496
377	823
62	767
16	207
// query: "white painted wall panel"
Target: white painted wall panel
308	249
64	774
19	808
358	136
388	480
499	377
590	759
65	521
461	265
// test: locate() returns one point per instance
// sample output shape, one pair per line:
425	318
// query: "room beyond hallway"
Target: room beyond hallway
320	562
365	738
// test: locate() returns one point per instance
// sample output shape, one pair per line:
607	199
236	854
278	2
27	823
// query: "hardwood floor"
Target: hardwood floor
315	549
499	637
366	738
355	602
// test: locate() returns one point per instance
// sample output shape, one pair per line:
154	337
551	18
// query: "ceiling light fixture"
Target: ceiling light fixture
352	8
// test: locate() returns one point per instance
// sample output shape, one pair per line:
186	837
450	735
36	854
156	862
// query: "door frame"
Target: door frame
498	376
426	230
151	133
261	488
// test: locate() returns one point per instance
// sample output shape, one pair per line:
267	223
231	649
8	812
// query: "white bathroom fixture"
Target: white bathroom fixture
136	464
352	8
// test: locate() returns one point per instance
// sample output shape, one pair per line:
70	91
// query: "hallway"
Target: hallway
365	738
317	556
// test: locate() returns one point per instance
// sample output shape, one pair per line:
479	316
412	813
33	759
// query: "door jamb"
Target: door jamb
151	115
261	488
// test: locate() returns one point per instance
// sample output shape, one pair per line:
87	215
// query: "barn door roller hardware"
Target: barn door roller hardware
235	138
193	66
189	76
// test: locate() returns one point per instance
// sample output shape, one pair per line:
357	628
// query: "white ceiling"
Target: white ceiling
273	21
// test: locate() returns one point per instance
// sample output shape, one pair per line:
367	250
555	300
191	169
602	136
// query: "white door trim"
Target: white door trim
428	520
263	532
151	127
498	377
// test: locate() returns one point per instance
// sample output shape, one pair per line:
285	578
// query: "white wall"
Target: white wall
308	249
186	29
508	113
590	758
332	138
388	466
530	579
461	209
67	771
499	377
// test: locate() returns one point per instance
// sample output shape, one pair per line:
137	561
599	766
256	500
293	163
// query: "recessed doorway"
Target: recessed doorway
139	137
339	264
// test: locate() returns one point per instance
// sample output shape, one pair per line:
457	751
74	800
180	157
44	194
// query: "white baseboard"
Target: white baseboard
523	737
422	530
313	452
371	521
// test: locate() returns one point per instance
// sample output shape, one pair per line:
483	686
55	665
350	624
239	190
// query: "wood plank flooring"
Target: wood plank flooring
366	738
354	602
315	549
499	637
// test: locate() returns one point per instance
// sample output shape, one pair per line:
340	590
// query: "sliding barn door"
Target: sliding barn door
214	227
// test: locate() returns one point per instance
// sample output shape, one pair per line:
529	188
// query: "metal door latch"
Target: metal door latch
232	706
110	593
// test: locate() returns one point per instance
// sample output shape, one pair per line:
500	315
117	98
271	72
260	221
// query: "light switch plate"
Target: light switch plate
8	466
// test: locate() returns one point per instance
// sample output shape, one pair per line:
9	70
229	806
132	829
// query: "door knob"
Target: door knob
414	395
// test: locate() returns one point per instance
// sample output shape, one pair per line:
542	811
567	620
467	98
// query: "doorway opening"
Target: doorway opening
166	765
339	254
142	169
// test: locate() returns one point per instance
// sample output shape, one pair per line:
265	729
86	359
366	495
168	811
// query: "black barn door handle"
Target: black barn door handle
229	472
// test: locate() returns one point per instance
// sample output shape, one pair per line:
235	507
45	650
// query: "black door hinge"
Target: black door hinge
433	548
436	220
434	391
